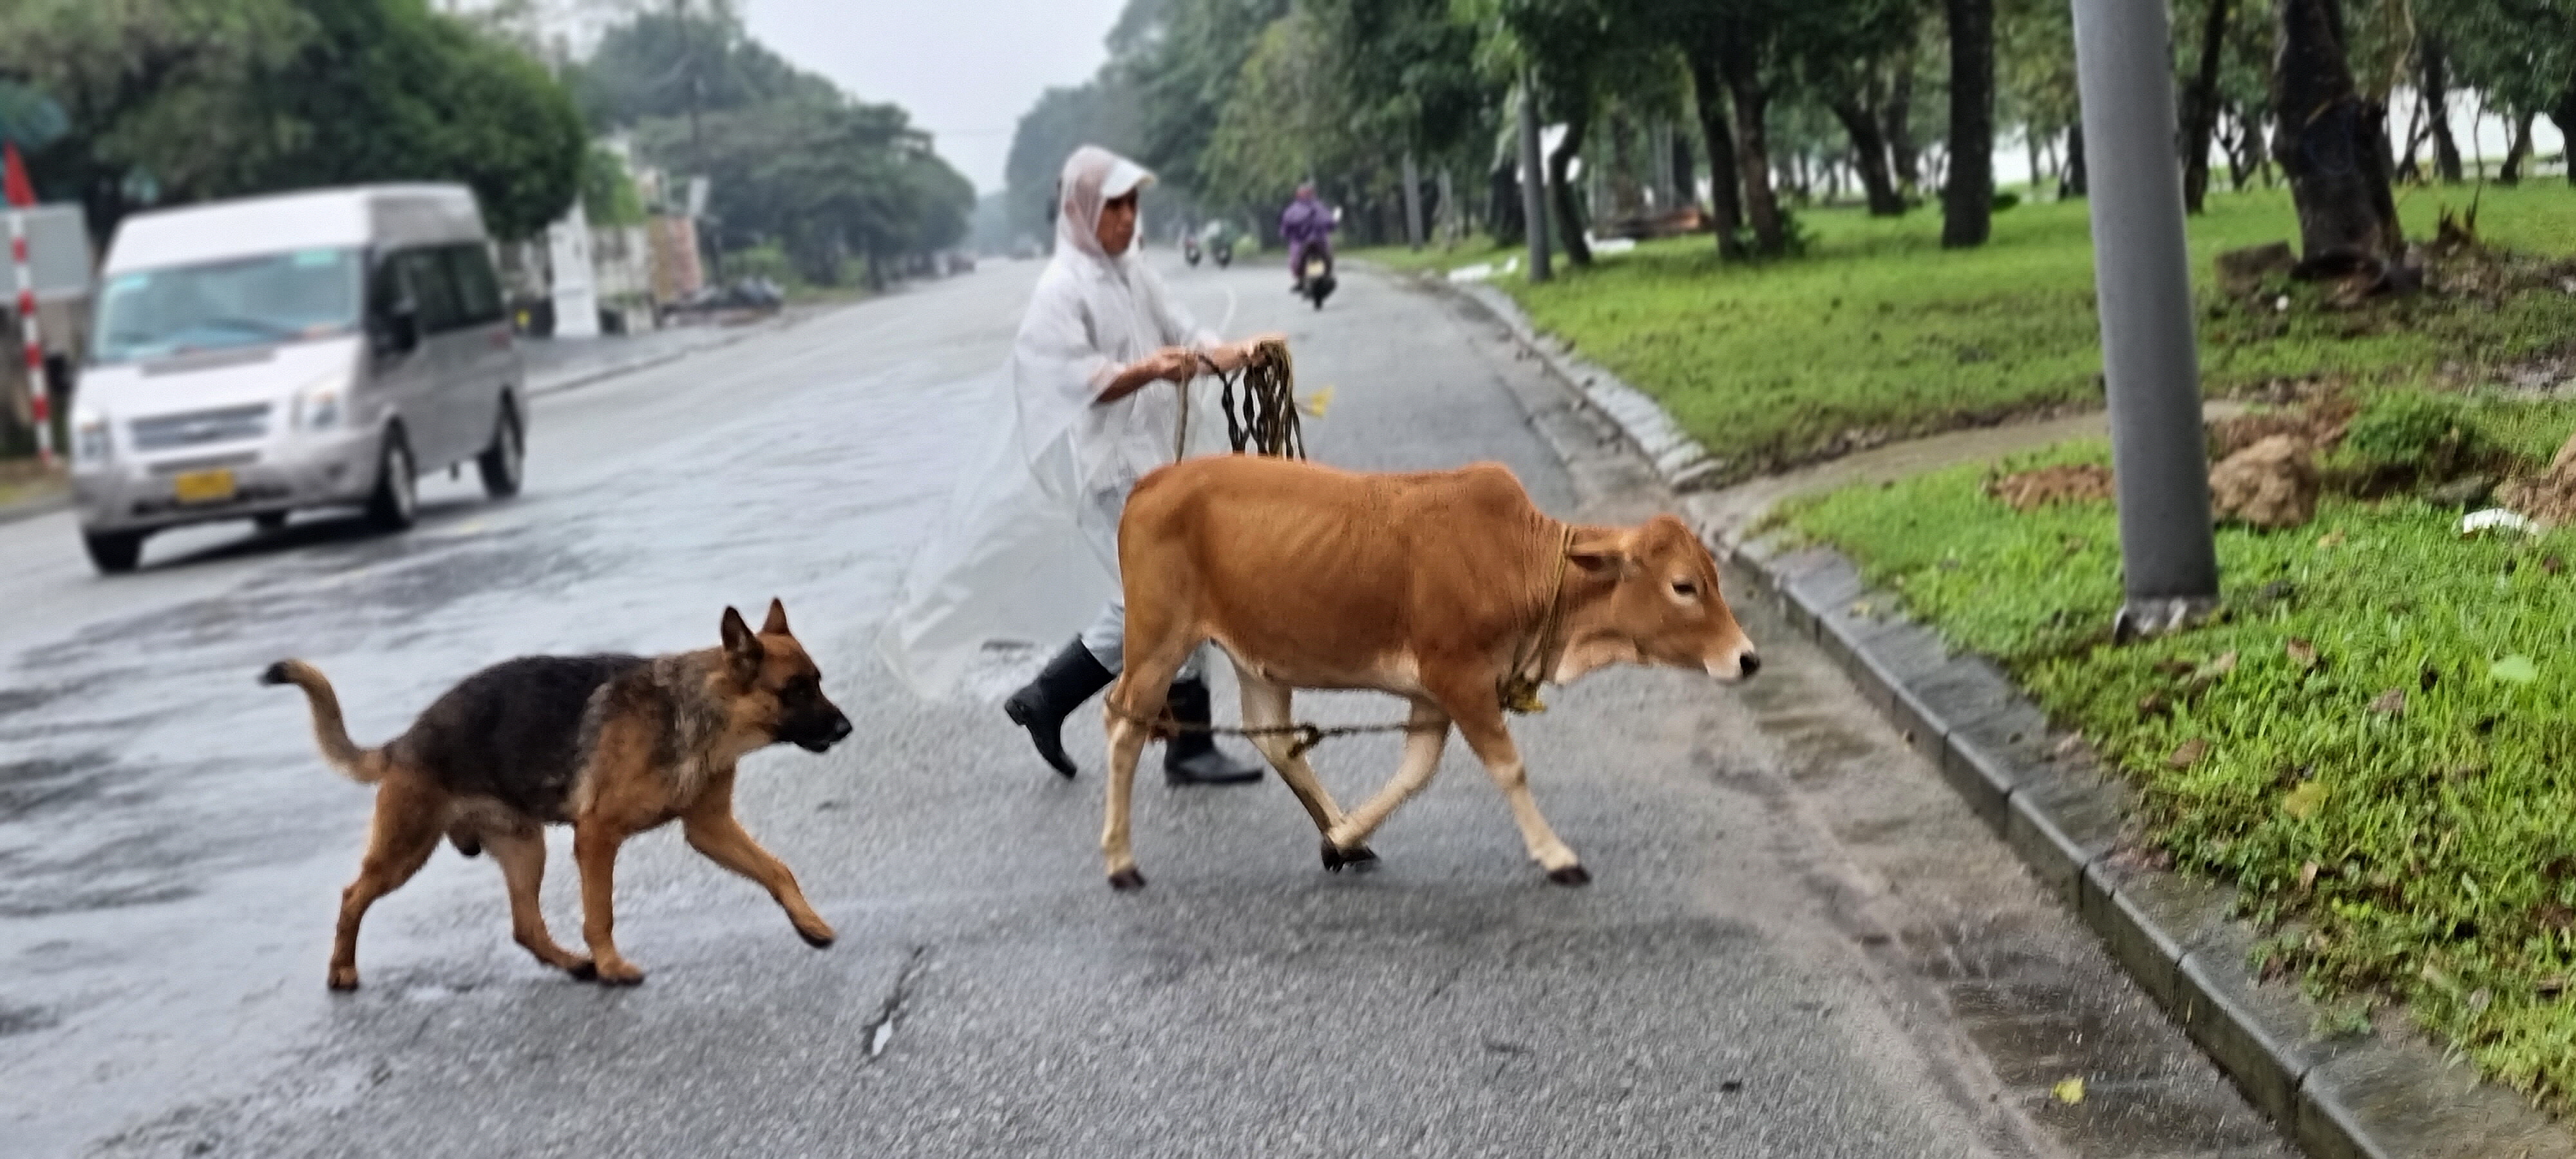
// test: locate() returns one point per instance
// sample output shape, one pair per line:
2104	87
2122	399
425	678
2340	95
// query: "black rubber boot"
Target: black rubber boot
1074	676
1191	758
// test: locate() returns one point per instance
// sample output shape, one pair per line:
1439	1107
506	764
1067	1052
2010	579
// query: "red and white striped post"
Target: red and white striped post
40	400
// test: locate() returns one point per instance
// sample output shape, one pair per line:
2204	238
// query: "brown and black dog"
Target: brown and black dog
610	745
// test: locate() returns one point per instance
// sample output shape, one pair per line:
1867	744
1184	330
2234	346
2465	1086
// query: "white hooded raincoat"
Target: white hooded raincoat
1027	552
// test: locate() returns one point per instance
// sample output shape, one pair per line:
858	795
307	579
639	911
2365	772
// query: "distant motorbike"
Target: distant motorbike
1190	250
1223	251
1315	282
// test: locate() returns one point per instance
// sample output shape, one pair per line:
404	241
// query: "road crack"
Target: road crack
880	1027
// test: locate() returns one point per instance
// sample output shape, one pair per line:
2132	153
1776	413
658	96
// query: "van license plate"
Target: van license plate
204	487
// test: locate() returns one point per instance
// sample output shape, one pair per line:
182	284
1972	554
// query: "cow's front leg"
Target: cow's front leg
1492	742
1426	733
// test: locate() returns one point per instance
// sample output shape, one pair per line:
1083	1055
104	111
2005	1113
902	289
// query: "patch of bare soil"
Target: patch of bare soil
2064	483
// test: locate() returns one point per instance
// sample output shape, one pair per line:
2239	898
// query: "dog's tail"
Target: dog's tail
365	766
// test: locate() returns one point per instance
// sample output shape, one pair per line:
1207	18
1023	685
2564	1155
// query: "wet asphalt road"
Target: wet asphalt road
1796	944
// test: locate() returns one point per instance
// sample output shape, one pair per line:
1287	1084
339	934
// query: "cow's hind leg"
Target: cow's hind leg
1265	706
1426	733
1482	725
1133	702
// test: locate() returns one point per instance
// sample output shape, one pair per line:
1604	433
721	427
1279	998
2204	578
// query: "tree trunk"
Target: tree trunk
2408	172
1968	201
2242	153
1685	180
1503	216
2516	151
2075	183
1726	203
2565	115
2437	99
1903	155
1569	212
1870	158
1753	147
2333	145
2202	117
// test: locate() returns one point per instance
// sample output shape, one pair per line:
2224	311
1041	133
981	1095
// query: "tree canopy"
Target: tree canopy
789	157
184	100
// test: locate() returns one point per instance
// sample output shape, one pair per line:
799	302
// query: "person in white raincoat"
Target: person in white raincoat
1030	544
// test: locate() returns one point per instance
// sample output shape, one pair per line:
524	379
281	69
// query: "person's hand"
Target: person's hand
1233	356
1175	363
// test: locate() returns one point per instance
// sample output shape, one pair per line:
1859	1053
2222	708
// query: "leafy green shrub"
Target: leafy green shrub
2414	434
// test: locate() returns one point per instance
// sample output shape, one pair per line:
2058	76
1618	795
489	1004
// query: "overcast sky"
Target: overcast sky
966	68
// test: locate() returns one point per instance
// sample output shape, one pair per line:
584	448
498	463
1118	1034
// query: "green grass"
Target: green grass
1878	332
2427	855
1437	259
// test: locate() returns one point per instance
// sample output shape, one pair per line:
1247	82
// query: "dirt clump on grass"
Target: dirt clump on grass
2548	498
2272	484
2065	483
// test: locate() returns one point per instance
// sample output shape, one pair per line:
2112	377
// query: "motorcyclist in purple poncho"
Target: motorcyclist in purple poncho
1307	226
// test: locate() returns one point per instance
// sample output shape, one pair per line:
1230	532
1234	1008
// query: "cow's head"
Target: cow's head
1648	595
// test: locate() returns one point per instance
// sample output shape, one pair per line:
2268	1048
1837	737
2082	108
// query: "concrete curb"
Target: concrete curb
1679	460
2370	1096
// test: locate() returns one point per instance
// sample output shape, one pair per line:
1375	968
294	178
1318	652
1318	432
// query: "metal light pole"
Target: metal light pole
1533	178
2142	277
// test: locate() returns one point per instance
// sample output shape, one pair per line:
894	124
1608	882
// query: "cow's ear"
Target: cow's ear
1598	549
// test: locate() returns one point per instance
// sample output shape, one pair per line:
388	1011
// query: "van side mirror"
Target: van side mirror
397	329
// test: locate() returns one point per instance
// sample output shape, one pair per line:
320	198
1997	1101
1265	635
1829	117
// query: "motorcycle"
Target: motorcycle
1223	252
1190	249
1315	282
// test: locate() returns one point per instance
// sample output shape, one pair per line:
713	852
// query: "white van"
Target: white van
257	357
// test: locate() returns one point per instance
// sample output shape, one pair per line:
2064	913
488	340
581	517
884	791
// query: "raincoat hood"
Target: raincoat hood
1092	178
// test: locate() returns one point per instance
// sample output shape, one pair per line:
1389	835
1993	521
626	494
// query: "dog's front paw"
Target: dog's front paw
617	972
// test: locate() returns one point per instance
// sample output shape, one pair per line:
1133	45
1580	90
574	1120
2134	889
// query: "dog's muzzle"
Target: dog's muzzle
829	733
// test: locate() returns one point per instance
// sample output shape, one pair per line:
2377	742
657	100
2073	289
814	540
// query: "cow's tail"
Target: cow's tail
365	766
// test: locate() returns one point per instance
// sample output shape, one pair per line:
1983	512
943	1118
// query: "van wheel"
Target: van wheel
504	463
114	552
396	504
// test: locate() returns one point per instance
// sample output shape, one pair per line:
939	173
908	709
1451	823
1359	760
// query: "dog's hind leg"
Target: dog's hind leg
522	857
712	830
407	827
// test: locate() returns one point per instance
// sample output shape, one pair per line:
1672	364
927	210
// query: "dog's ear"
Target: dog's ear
741	647
776	624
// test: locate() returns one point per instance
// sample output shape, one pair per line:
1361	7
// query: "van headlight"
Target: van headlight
91	440
318	408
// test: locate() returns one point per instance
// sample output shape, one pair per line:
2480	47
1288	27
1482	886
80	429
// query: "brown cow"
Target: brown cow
1437	587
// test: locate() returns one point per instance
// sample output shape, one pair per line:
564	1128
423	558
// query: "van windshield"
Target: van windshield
254	301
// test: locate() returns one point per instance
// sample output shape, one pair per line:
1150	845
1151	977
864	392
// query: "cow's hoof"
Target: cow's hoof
1126	879
1570	875
821	941
583	971
1356	858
